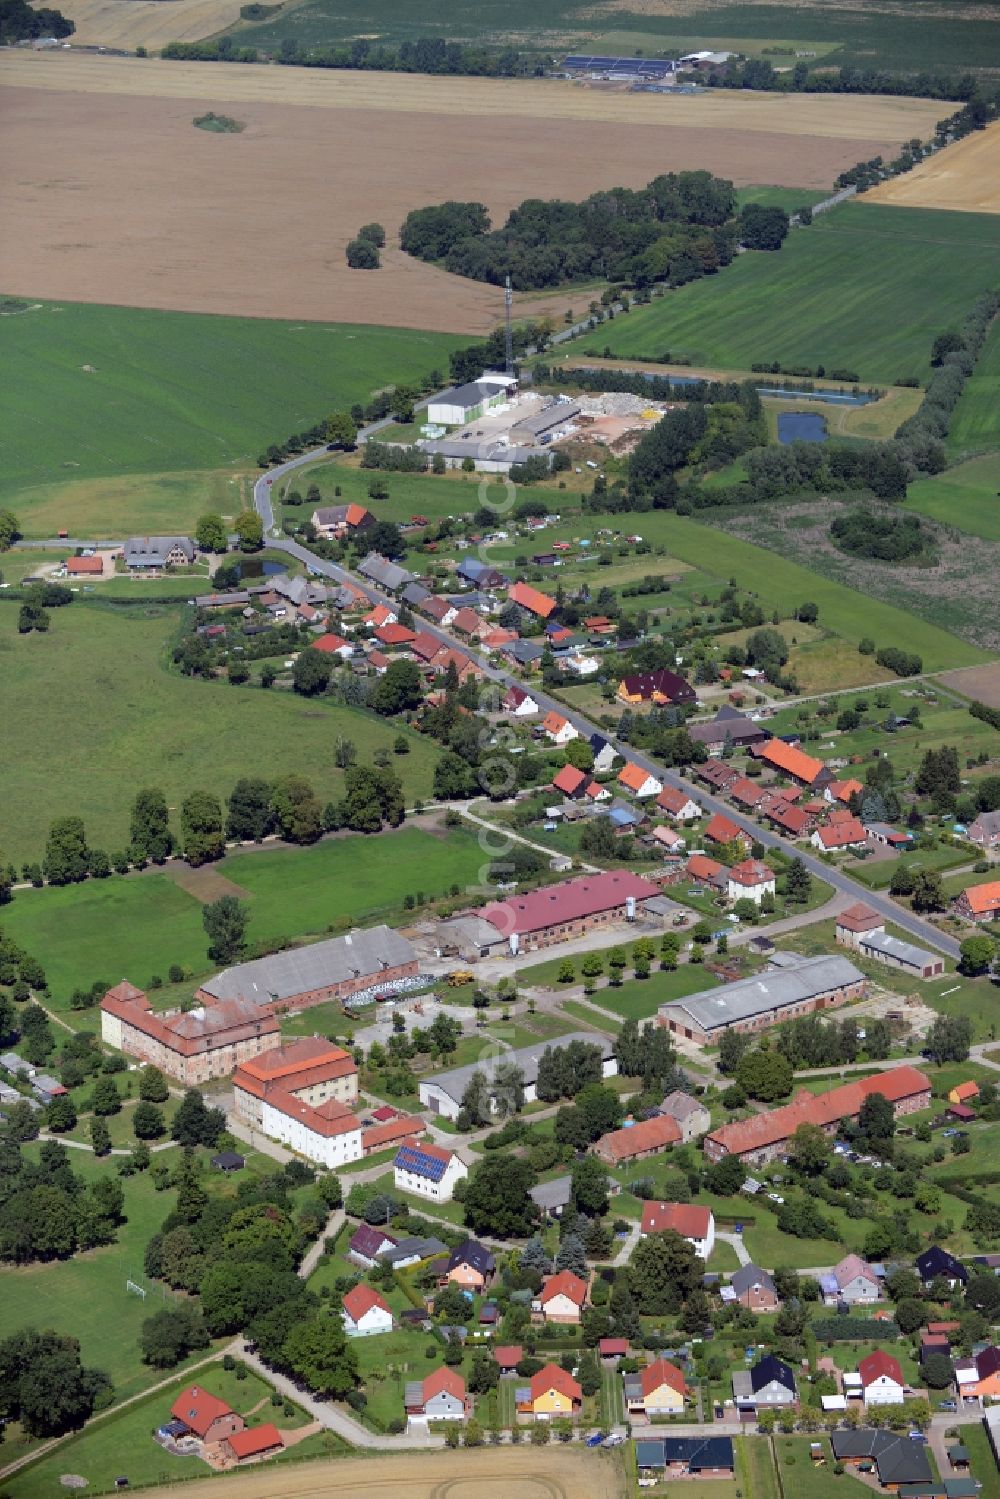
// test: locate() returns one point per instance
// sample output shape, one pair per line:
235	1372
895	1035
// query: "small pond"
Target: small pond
801	426
259	567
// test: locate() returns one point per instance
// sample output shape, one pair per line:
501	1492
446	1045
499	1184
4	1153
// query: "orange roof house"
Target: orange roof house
849	834
394	634
640	782
685	1218
206	1415
785	757
530	599
638	1141
842	791
553	1392
332	645
570	781
720	830
657	1389
979	902
963	1093
558	728
83	567
255	1441
701	867
562	1297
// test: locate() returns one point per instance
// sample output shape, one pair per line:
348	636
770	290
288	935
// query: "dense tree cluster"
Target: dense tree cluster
681	226
44	1386
885	538
46	1211
21	22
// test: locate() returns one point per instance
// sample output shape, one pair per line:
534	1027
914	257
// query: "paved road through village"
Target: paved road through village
914	925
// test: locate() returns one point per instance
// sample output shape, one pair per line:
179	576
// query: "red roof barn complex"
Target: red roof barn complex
558	912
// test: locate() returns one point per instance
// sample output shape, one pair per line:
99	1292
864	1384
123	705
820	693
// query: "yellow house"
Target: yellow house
963	1093
658	1390
552	1392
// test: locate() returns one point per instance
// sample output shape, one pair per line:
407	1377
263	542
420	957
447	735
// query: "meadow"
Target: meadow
99	679
927	36
965	496
141	392
123	1444
432	495
784	584
138	926
975	424
866	287
116	506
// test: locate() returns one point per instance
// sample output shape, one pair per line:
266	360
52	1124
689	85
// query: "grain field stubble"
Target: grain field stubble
111	196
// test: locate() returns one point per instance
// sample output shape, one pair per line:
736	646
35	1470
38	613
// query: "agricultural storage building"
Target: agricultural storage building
556	913
488	457
464	403
540	423
341	968
753	1004
763	1137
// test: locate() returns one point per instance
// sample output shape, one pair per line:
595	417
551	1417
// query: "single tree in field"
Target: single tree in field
225	921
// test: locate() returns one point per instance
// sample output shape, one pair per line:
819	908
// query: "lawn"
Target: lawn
99	679
755	1458
113	507
123	1444
800	1476
900	277
982	1463
638	999
86	1297
168	392
975	424
782	584
139	926
966	496
432	495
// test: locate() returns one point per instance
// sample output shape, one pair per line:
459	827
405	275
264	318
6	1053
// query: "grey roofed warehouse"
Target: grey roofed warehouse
381	570
301	970
767	994
443	1092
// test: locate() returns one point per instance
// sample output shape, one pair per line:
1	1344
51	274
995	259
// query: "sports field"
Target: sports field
975	424
138	926
965	177
91	714
866	287
967	497
99	391
220	219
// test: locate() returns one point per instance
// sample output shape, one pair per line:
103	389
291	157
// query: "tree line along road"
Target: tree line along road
911	923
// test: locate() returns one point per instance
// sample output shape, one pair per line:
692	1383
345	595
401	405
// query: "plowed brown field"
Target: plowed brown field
965	177
511	1473
109	194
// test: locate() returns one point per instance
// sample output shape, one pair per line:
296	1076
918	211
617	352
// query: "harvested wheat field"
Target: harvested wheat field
964	177
111	196
508	1473
147	23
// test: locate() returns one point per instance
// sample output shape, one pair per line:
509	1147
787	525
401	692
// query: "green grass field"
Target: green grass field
788	198
174	392
409	494
939	36
967	497
137	926
975	424
123	1444
866	288
159	504
786	584
98	681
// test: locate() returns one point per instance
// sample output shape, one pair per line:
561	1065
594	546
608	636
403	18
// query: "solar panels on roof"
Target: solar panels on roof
412	1158
648	67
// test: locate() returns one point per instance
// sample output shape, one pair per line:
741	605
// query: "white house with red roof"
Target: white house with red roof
750	880
365	1312
428	1171
558	729
518	703
839	835
333	645
442	1396
562	1298
882	1379
640	782
678	804
694	1223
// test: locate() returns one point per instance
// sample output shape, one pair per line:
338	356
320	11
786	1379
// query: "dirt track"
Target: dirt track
965	177
510	1473
111	195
